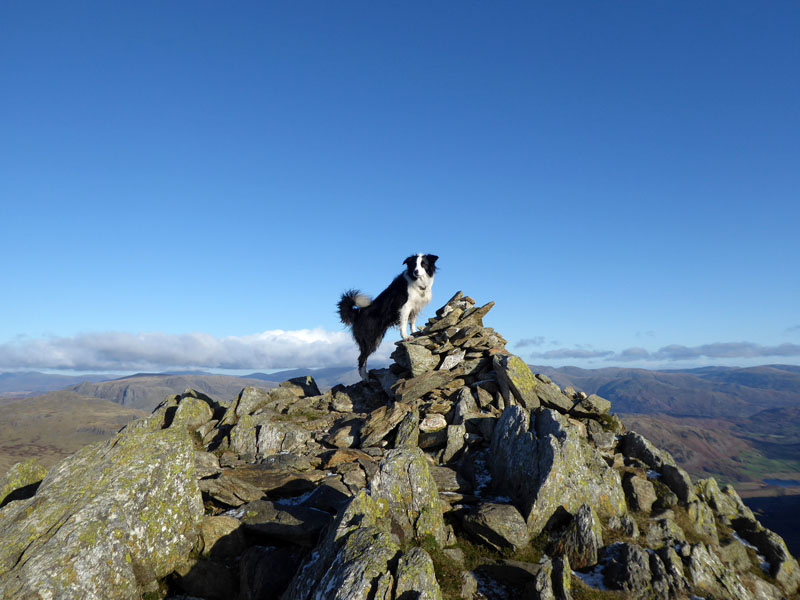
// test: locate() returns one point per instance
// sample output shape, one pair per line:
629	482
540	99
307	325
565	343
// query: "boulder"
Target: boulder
415	577
192	413
415	358
279	437
516	379
582	539
545	466
640	493
108	521
404	480
499	526
590	407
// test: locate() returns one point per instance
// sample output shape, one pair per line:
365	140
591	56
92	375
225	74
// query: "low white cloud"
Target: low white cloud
534	341
116	351
576	353
675	352
725	350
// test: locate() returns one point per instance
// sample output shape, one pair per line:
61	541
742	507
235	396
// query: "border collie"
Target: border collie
398	304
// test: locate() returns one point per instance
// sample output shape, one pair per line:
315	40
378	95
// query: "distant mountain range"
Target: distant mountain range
739	424
706	392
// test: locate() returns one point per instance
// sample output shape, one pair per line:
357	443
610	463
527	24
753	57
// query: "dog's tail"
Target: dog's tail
351	303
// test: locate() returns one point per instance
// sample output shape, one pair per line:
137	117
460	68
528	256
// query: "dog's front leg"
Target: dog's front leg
414	323
404	314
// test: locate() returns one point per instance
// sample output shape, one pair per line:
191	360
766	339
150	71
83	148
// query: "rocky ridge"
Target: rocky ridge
454	473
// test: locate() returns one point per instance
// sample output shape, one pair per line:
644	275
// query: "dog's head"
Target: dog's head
421	265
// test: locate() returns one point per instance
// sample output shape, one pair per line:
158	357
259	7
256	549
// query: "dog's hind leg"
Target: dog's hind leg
362	365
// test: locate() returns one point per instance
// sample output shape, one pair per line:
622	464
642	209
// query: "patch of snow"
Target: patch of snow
491	589
593	578
482	476
765	566
236	513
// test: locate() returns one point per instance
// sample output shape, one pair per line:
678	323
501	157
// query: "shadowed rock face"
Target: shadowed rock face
369	490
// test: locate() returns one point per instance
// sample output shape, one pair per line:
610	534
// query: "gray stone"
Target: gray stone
192	413
415	358
354	558
221	537
408	390
433	422
452	360
456	436
625	525
346	434
591	406
230	490
206	464
709	576
277	438
516	377
497	525
407	435
416	577
664	532
551	397
679	482
782	565
474	316
627	568
404	480
360	567
581	541
244	437
381	422
635	446
465	406
640	493
303	387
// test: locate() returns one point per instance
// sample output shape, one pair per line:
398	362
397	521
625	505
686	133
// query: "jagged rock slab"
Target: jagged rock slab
107	522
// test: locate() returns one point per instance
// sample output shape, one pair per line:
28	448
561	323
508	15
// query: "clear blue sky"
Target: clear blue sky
193	184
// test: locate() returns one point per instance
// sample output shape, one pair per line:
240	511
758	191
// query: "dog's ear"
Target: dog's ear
432	258
410	261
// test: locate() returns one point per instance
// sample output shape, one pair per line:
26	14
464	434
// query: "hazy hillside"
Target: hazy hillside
31	383
326	378
711	392
56	425
145	391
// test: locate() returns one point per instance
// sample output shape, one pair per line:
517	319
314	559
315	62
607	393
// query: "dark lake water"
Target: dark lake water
783	482
781	514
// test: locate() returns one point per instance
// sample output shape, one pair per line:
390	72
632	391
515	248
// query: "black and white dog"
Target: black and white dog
399	304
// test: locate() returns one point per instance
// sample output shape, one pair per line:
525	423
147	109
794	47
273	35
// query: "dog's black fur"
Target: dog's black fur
398	304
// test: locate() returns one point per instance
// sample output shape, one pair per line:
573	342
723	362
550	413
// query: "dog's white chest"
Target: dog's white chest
419	297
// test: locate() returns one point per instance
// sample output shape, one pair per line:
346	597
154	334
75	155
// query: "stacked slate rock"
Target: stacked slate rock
454	473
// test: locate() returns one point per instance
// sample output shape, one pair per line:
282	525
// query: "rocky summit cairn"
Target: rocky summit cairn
454	473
